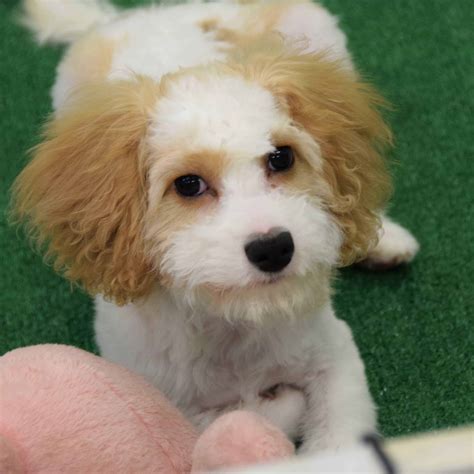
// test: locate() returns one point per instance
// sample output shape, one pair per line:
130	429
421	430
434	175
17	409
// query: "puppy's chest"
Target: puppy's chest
223	368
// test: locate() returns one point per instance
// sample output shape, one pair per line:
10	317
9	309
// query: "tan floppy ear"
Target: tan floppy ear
83	197
341	112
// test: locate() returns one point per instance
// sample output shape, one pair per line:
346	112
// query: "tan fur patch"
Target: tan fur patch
209	24
83	195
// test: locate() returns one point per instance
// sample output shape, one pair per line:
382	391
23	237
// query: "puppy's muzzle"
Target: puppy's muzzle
271	252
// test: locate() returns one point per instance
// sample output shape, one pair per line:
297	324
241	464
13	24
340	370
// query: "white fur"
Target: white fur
159	28
63	21
223	333
216	113
211	253
207	366
318	28
196	254
396	246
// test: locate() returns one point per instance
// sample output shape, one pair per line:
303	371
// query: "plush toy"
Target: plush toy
65	410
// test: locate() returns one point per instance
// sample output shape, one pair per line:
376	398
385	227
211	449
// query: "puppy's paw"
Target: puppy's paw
272	392
284	406
396	246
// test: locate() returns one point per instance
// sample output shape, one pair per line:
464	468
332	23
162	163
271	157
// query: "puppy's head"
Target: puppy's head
236	186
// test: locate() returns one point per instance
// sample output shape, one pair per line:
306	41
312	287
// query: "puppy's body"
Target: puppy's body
208	366
156	41
218	96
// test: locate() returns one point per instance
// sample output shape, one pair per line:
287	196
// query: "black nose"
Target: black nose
271	252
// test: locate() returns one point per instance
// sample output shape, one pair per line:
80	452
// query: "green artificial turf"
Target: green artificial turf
414	326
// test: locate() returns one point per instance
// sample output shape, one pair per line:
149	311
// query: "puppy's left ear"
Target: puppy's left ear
83	195
341	113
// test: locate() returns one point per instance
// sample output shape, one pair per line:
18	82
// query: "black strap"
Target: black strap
375	442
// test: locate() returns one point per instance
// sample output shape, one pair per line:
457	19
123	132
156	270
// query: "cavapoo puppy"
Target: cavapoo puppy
206	169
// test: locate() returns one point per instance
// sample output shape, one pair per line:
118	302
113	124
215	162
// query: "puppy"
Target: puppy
206	169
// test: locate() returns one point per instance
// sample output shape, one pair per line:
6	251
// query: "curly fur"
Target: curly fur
83	196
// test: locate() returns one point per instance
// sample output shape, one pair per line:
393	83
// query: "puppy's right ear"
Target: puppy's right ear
83	195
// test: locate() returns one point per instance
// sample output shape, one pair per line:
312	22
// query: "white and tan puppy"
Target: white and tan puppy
206	169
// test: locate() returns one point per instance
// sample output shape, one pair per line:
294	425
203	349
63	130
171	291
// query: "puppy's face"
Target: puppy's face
236	216
237	186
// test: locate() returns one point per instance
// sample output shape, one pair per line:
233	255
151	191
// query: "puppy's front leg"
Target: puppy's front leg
340	408
284	406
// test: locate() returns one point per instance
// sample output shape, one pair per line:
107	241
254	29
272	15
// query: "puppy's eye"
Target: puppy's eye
190	185
281	159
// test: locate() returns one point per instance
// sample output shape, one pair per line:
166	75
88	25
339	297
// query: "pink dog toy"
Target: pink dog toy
65	410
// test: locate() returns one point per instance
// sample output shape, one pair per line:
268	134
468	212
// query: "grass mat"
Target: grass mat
413	325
